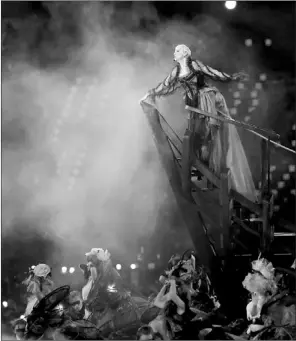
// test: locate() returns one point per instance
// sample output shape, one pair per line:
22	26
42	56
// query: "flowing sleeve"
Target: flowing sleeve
168	86
212	73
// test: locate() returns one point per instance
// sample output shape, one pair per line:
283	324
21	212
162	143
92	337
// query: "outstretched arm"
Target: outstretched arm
165	88
215	74
168	86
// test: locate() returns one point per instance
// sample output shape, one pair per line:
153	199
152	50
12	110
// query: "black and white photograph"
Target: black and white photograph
148	166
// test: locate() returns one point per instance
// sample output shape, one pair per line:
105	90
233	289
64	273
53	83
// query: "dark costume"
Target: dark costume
207	135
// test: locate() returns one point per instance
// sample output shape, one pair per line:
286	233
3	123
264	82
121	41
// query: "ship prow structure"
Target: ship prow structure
209	206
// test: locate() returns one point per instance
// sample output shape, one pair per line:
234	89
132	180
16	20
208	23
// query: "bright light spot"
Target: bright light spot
5	304
33	267
158	256
268	42
263	77
248	42
272	168
293	191
60	308
236	94
281	184
240	86
258	86
251	109
293	143
247	118
274	192
230	4
233	111
22	317
286	176
255	102
71	270
118	267
133	266
292	168
276	208
237	102
254	94
64	269
151	266
111	288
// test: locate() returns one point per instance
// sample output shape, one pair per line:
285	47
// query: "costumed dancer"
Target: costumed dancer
111	307
39	284
190	74
185	300
272	311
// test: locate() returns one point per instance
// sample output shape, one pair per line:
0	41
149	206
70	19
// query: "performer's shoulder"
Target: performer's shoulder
196	63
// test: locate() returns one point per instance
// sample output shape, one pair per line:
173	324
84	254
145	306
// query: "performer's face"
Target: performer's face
178	54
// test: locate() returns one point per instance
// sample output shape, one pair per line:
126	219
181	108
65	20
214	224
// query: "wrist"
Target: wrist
151	93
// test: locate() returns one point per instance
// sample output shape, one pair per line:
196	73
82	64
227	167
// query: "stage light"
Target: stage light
5	304
281	184
272	168
248	42
64	269
255	102
268	42
263	77
233	111
151	266
71	270
230	4
133	266
118	267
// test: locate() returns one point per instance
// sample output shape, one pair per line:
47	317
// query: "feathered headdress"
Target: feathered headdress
262	279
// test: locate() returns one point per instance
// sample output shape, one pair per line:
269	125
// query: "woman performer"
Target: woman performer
39	284
190	75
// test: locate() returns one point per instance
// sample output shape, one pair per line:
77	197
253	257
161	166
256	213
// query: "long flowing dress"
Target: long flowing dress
207	135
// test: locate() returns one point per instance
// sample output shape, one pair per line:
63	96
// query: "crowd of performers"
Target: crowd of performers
186	307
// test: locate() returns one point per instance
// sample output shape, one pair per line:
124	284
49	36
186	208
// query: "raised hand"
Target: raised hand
161	298
144	98
240	76
148	99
